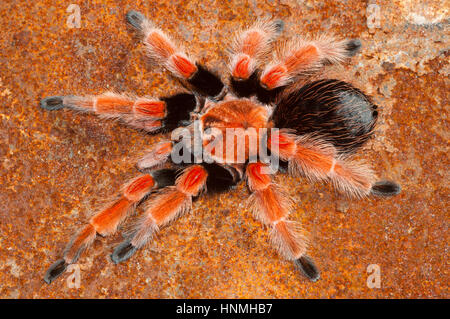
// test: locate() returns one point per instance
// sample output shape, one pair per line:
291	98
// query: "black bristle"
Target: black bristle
267	96
52	103
55	270
164	177
307	268
334	110
279	26
123	252
219	178
245	88
179	107
207	83
135	19
283	166
385	188
353	46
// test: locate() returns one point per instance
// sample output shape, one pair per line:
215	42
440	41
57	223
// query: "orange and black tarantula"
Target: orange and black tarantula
311	127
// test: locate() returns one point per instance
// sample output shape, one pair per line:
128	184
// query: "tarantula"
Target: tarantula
312	127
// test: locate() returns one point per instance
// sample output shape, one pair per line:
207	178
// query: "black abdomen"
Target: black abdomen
332	109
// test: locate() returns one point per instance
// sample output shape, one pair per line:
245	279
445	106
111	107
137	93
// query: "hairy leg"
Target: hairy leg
147	114
161	209
155	156
300	58
163	50
108	220
318	160
271	205
250	48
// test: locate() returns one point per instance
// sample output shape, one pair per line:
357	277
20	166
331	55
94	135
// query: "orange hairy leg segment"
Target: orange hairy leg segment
314	158
257	179
155	109
192	180
302	58
284	142
269	198
167	203
106	221
139	187
272	78
161	46
81	241
252	42
288	236
114	104
242	68
185	67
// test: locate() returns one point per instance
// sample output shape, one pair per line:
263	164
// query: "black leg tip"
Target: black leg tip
353	46
385	188
279	26
135	19
52	103
55	270
123	252
307	268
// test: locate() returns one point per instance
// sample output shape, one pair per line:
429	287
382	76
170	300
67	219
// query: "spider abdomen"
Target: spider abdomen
334	110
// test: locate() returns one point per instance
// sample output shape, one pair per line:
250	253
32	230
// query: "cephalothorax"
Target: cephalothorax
318	125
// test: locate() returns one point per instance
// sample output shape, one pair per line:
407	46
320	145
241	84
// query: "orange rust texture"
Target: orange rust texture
58	167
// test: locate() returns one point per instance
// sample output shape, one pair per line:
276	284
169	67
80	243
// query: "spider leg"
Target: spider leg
319	160
164	207
250	48
163	50
157	155
147	114
272	205
173	201
108	220
301	58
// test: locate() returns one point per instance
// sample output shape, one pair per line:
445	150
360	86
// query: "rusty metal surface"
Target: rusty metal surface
56	167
